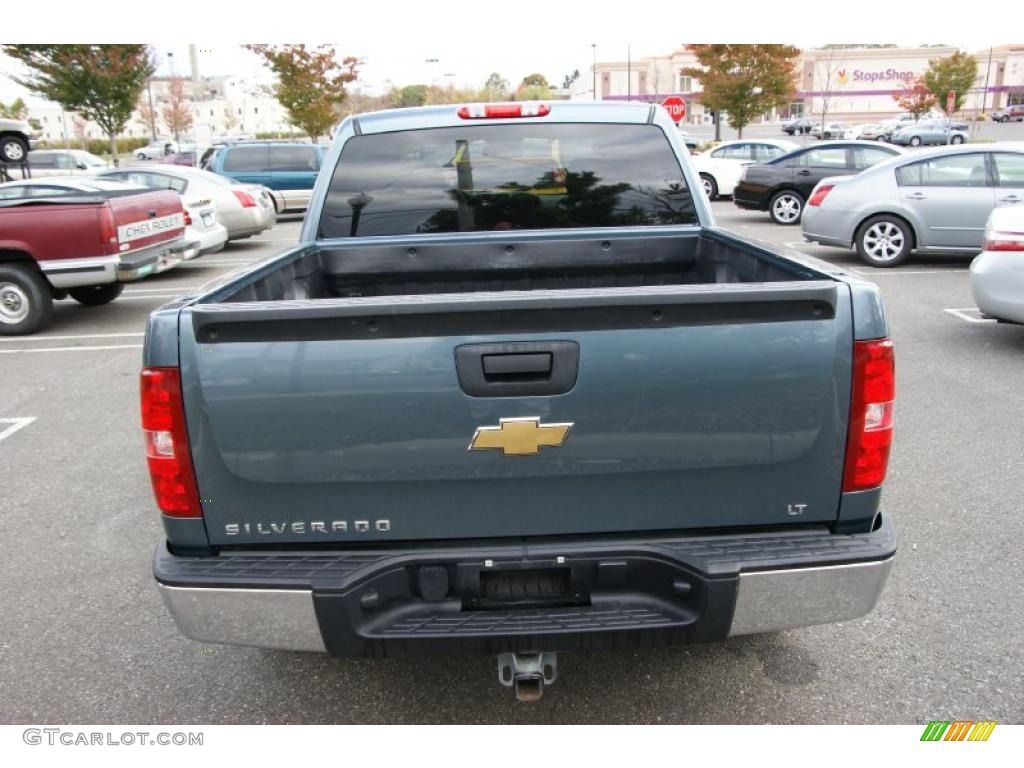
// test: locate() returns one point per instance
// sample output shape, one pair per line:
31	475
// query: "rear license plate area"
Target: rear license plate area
525	588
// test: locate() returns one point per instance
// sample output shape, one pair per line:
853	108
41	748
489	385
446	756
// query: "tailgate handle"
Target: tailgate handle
534	365
517	368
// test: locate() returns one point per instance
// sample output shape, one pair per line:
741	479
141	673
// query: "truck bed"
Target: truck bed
359	268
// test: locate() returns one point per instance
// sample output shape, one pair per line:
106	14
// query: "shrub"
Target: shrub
125	146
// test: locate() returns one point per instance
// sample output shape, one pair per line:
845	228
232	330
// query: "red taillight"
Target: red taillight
519	109
871	411
108	227
820	193
1004	241
188	219
167	451
244	198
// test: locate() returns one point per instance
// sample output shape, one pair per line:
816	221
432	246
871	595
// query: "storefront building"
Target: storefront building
846	83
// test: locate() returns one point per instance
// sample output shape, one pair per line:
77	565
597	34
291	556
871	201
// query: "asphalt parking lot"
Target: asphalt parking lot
84	637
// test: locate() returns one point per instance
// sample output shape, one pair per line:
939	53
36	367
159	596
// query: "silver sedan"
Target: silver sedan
997	274
931	201
244	209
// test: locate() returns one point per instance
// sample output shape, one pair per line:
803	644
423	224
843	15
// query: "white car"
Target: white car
59	162
156	149
997	273
244	209
203	233
720	168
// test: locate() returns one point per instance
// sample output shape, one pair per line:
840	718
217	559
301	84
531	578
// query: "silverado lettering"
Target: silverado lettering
312	526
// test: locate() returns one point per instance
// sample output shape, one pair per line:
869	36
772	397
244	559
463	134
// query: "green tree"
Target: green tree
568	80
952	73
310	83
16	110
744	80
533	87
101	83
411	96
496	88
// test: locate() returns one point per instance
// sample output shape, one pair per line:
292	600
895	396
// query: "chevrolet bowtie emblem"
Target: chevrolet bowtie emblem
520	437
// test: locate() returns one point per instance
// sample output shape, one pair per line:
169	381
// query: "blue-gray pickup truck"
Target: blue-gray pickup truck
513	392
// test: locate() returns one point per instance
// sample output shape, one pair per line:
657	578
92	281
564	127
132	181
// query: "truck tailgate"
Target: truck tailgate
147	218
675	408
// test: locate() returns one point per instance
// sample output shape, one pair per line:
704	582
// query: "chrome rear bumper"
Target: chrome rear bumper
624	593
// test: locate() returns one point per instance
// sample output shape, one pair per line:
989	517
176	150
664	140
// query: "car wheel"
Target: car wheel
826	135
884	241
26	304
96	295
140	155
13	149
956	140
786	208
915	141
710	185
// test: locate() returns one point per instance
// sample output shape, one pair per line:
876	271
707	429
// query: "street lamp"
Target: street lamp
593	89
170	63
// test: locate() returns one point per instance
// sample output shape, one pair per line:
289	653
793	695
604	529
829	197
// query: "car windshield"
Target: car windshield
478	178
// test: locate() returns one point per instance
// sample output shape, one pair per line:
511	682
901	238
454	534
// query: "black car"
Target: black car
782	186
798	125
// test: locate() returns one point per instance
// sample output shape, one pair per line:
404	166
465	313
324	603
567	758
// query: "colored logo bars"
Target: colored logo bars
958	730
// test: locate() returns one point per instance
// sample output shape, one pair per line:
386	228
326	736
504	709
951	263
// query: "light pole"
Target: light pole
152	112
593	69
433	75
174	107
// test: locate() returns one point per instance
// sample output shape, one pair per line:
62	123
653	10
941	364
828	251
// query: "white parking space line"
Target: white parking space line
69	349
69	338
15	425
218	263
902	272
969	315
160	290
152	297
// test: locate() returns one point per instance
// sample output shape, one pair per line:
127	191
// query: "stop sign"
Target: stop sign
676	108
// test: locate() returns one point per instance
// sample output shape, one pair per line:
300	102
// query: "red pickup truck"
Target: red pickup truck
84	243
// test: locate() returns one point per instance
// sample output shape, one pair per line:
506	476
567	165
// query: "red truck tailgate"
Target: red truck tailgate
148	218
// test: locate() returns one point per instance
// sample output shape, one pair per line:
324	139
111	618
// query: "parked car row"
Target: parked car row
115	225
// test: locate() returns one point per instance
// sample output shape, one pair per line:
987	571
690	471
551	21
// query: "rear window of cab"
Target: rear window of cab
481	178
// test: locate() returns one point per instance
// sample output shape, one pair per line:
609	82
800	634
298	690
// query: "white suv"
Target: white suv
15	141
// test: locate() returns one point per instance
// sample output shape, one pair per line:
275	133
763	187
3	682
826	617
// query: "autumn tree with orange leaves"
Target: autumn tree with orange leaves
175	113
918	100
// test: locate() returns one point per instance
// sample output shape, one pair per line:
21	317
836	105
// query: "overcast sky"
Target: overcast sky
472	38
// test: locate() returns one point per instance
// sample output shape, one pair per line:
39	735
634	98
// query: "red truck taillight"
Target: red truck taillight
871	411
108	226
167	451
